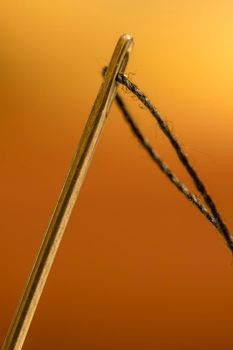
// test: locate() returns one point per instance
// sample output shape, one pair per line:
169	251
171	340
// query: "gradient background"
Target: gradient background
139	267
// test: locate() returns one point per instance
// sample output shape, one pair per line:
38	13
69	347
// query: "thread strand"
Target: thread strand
215	216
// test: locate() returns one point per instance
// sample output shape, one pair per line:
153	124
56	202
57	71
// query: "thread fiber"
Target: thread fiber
213	215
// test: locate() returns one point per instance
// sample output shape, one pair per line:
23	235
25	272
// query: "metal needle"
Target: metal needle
53	236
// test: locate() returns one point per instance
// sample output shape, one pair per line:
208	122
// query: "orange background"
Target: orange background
139	267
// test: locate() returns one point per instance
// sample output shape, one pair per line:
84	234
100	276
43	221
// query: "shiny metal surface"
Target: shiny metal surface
53	236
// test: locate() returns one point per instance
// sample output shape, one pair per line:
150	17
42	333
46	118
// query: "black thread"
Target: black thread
214	217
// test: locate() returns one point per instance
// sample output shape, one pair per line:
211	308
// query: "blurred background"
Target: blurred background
139	267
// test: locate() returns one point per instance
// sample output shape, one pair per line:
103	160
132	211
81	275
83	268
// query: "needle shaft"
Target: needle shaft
53	236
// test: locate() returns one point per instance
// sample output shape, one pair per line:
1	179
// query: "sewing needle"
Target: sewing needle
53	236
